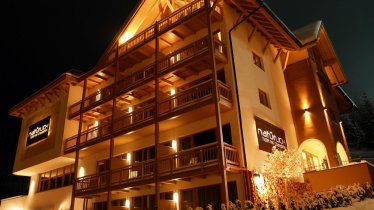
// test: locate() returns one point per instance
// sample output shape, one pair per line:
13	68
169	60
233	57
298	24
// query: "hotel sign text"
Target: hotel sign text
269	135
38	131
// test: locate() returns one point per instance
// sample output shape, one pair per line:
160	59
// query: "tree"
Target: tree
282	168
359	126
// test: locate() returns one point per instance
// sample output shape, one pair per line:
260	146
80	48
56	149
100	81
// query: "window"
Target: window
57	178
144	154
166	196
100	205
258	61
201	196
264	99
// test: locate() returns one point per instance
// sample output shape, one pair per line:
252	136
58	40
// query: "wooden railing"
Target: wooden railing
136	117
95	98
191	161
138	40
88	136
92	182
232	155
164	64
188	160
180	15
136	78
183	54
137	171
193	95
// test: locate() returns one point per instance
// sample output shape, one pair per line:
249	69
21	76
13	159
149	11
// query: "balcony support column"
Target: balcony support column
72	203
218	129
157	126
111	145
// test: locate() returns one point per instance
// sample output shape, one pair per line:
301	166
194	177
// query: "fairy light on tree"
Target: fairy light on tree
282	167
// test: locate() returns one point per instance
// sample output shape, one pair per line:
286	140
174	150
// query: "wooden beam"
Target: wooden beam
277	56
266	46
167	81
101	77
252	33
285	62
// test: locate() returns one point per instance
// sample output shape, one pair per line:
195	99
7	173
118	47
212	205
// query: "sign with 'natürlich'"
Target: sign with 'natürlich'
269	135
38	131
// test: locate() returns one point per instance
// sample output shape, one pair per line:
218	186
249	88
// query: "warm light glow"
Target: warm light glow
81	171
96	123
130	109
32	187
172	91
303	155
125	37
127	203
128	157
259	181
176	197
174	145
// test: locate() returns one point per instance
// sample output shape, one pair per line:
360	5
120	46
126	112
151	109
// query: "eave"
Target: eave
44	95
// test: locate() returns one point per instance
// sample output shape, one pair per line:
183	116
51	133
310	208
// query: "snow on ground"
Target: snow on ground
367	204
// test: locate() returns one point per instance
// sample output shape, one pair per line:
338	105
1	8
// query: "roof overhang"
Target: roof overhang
345	103
267	23
44	95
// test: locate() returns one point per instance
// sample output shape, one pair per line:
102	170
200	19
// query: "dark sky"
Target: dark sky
41	39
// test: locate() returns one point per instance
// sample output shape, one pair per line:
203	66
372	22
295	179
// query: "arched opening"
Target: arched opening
314	155
341	154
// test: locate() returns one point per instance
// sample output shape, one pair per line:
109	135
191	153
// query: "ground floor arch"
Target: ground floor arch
314	155
341	154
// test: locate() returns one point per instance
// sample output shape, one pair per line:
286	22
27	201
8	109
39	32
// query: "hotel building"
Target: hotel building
182	110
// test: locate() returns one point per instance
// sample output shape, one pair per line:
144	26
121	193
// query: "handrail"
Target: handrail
135	171
180	14
93	98
182	54
135	78
87	136
135	117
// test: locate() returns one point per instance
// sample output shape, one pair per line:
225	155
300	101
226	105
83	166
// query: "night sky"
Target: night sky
41	39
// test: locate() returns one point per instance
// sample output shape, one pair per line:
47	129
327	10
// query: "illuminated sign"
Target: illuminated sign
269	135
38	131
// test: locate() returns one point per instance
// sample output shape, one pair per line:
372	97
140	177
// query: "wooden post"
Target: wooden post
111	145
157	135
77	145
218	129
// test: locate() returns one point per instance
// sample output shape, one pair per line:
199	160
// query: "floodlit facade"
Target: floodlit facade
182	110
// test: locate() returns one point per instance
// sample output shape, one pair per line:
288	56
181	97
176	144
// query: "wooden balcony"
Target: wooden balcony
193	97
92	183
88	137
91	101
134	80
176	18
187	100
134	120
196	161
172	61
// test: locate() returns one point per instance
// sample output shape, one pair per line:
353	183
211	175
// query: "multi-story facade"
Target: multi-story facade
182	109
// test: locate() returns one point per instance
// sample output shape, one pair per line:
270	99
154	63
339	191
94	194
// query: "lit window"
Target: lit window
258	61
264	99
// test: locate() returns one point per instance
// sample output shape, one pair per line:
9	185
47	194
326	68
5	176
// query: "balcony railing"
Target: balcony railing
232	155
180	15
92	182
91	135
91	100
194	95
189	160
194	161
136	78
136	117
175	18
138	171
183	54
